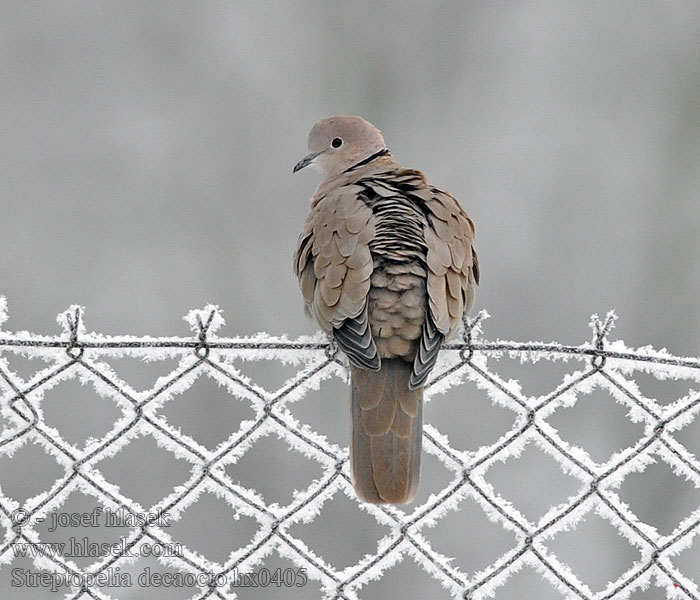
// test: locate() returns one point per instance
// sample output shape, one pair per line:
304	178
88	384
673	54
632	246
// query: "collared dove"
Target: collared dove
386	265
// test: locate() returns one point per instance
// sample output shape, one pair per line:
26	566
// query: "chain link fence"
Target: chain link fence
470	360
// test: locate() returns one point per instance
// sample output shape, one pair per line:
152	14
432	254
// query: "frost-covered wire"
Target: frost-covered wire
607	364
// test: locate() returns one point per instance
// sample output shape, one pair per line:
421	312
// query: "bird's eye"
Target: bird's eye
337	142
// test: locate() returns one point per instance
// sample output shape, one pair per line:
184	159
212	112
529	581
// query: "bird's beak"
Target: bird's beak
305	162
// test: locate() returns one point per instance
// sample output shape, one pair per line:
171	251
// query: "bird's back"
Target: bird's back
397	297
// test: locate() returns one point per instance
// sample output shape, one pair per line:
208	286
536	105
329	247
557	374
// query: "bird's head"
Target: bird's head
336	144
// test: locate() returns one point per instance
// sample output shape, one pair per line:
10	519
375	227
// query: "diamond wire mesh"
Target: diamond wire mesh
604	363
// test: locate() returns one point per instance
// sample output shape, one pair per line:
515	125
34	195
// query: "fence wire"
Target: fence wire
603	363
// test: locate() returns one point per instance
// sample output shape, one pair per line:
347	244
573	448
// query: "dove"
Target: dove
387	267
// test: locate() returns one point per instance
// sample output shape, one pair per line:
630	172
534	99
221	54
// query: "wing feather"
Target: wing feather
452	265
334	264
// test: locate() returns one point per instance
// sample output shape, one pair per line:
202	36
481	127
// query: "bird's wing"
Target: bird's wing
453	271
334	264
453	274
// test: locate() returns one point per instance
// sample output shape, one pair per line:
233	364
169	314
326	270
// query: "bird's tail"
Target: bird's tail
387	433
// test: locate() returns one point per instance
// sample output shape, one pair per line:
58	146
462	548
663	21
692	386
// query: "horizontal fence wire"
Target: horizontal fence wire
470	358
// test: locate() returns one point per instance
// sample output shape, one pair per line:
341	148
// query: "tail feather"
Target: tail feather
387	432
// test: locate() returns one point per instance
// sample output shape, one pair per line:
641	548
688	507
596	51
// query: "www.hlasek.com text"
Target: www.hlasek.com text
84	548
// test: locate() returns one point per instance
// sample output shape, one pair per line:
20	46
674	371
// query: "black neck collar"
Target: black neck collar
369	159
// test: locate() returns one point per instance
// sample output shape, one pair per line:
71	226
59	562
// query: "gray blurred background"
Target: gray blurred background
145	169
